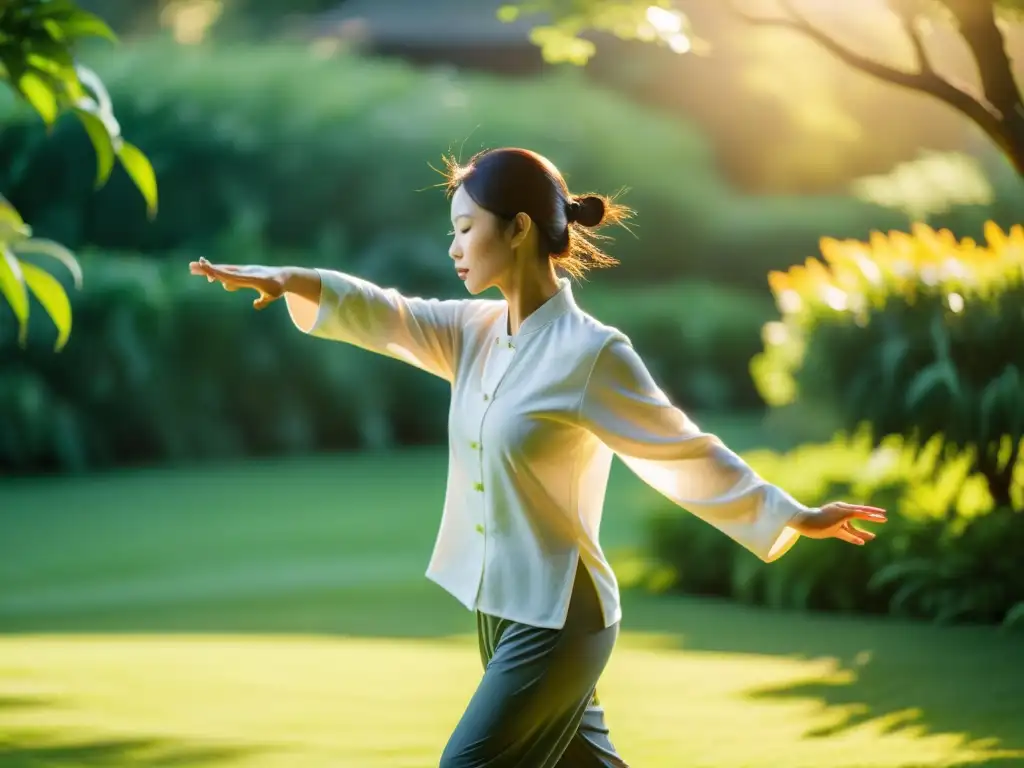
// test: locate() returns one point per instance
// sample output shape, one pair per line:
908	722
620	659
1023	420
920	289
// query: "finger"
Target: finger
849	535
263	301
861	512
860	507
859	532
873	517
865	535
231	280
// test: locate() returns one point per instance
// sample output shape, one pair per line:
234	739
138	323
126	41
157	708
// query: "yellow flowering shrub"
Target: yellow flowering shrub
915	334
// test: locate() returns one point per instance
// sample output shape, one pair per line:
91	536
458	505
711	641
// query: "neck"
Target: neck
526	291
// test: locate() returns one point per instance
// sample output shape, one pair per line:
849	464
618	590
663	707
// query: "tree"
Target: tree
998	108
37	44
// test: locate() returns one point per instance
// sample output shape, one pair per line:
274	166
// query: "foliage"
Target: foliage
165	367
930	184
562	40
947	553
999	111
37	42
18	278
303	152
914	334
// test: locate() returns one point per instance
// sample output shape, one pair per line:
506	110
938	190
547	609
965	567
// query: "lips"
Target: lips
462	273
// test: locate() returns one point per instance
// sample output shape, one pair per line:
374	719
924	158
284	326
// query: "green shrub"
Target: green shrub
946	554
297	151
914	335
162	366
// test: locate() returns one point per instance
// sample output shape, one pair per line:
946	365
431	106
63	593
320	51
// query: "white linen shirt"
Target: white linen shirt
535	419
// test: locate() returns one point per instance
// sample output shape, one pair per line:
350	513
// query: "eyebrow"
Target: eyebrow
462	215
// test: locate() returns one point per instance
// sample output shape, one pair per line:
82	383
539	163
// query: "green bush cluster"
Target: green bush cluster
912	334
279	146
911	341
948	553
163	367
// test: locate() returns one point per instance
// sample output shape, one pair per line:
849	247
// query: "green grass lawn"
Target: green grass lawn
276	614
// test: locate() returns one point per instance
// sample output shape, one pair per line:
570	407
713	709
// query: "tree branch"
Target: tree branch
978	27
924	81
909	22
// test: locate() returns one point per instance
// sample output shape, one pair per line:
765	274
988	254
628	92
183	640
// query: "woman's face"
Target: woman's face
483	246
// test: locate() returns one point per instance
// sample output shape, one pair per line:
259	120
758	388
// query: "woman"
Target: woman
542	396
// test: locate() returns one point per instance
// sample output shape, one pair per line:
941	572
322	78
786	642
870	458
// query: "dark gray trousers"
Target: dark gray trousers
537	705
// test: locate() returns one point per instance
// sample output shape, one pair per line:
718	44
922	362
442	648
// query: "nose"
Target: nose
453	251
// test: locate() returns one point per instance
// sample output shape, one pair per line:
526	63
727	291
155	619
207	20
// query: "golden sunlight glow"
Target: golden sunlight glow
190	20
956	302
666	22
930	184
775	333
668	25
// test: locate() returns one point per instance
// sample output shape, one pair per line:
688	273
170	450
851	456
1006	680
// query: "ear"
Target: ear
521	226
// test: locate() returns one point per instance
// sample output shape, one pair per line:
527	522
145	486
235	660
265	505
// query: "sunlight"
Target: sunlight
190	20
669	27
374	702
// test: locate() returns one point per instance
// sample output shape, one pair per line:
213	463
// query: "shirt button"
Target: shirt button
475	445
486	396
511	345
479	528
478	486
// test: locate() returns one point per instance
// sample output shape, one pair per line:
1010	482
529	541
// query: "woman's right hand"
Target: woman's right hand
269	282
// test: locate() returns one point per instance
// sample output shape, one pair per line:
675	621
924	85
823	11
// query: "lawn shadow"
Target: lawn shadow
49	748
898	676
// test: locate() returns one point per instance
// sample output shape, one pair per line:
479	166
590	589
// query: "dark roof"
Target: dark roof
424	21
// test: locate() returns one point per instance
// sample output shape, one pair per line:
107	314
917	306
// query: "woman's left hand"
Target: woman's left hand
835	521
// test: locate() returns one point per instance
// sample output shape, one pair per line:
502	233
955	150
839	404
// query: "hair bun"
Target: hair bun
587	211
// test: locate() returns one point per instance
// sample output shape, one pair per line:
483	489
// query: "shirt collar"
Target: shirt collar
551	309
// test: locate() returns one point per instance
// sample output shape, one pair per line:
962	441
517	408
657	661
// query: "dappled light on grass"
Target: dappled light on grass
268	701
274	614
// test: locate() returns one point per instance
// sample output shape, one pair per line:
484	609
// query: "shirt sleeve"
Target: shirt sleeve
422	332
624	408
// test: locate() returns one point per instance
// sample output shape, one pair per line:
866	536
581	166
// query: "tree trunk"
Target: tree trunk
998	110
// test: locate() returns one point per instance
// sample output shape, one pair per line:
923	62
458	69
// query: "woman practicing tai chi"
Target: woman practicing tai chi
543	395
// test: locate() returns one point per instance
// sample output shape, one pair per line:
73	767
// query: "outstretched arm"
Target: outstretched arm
624	408
341	307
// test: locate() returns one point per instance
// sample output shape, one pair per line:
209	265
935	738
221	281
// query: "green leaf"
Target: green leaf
138	167
55	30
101	141
508	13
85	24
931	378
559	45
989	407
56	251
59	67
40	95
12	227
1015	616
53	298
893	352
12	286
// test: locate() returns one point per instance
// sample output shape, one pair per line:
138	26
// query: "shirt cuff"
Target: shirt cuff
774	535
313	317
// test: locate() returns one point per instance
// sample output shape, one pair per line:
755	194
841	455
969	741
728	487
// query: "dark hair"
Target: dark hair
510	181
